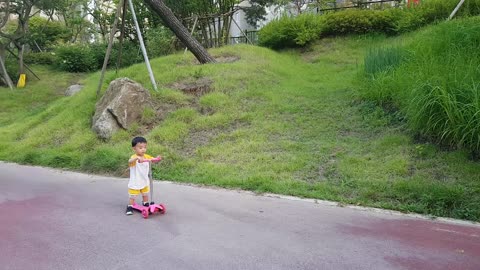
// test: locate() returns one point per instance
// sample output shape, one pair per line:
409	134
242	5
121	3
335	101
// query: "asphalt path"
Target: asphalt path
52	219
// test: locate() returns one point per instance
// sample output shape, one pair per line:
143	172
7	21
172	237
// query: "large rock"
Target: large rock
120	107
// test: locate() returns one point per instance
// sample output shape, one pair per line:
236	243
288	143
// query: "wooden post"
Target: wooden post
241	31
5	75
142	45
456	9
193	30
109	48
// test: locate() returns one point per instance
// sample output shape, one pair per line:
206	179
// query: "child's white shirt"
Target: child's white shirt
139	174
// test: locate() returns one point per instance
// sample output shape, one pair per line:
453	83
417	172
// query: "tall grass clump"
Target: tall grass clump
448	113
437	89
383	59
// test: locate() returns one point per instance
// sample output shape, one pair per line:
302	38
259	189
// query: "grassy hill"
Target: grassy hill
289	123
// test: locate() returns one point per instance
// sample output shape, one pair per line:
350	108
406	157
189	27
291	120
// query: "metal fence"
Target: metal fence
250	37
365	4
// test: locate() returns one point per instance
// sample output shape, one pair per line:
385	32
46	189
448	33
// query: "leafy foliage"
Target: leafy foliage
46	33
41	58
75	58
282	33
159	41
291	32
359	22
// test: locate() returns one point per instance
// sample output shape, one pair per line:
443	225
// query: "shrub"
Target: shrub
46	33
12	67
75	58
131	54
301	30
159	41
98	52
435	10
291	32
359	22
41	58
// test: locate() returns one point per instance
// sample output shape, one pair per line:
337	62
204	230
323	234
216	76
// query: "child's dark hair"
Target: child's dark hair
138	140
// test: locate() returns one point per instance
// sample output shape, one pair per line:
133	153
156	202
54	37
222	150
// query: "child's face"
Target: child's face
140	149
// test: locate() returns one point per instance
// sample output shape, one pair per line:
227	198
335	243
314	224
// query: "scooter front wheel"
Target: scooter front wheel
145	213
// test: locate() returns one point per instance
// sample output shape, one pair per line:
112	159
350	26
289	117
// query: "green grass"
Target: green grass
436	87
37	95
287	123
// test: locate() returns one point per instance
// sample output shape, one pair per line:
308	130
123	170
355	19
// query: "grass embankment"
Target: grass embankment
433	81
286	123
21	103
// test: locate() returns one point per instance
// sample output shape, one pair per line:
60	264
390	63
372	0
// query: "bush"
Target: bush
131	54
75	58
291	32
46	33
41	58
12	67
301	30
98	52
159	41
359	22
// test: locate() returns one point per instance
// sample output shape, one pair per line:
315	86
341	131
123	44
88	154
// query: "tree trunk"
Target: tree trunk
3	70
180	31
21	65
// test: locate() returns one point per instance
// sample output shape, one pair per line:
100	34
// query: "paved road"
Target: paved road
61	220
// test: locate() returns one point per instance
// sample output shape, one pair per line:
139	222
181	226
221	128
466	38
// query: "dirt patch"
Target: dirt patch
196	87
219	58
200	138
227	59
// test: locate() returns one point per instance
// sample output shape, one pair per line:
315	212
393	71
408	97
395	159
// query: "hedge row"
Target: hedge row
301	30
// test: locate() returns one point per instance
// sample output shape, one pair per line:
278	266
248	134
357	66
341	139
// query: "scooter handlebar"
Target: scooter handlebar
154	160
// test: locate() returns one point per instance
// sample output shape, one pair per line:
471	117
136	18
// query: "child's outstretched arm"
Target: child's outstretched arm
157	159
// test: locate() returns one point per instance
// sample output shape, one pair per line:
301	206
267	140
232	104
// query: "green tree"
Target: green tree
44	33
180	31
73	14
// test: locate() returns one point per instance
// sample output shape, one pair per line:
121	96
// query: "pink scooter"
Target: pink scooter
152	208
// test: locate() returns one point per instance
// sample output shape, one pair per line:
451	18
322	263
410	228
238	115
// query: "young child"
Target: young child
139	173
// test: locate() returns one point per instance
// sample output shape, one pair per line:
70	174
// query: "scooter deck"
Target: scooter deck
151	209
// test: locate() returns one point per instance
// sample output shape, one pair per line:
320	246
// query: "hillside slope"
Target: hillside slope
285	122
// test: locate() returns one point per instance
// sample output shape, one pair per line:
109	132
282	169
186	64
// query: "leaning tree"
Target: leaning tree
180	31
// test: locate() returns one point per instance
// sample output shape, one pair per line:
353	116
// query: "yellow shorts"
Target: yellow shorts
135	192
